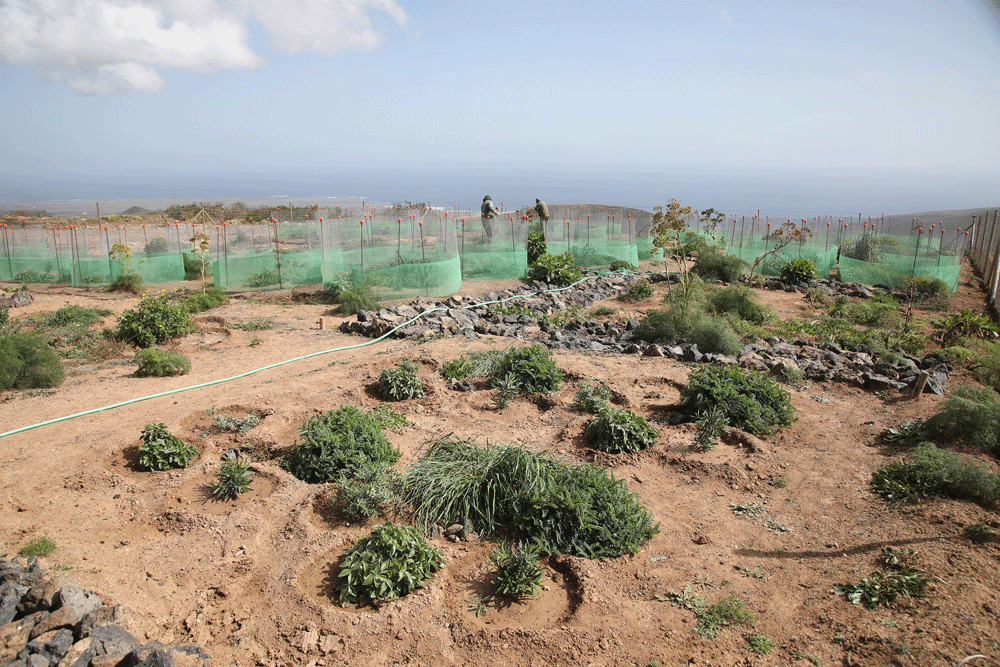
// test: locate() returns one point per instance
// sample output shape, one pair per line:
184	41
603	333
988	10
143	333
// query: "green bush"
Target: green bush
363	496
229	424
391	562
558	270
533	367
162	451
617	431
583	512
882	588
741	302
127	282
759	644
750	401
154	320
27	361
929	285
192	267
727	268
679	323
4	316
536	246
731	611
231	479
979	533
265	278
38	546
969	415
798	271
953	329
352	301
339	442
591	398
516	570
621	264
198	302
931	472
984	362
400	383
638	291
156	246
457	369
70	315
154	362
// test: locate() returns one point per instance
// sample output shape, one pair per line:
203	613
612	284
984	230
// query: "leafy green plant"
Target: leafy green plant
162	451
264	278
621	264
741	302
507	389
558	270
72	315
27	361
591	398
231	479
969	415
798	271
616	431
603	311
930	285
367	493
532	365
38	546
638	291
979	532
759	644
965	324
352	301
201	301
193	266
516	570
156	246
750	401
400	382
392	561
228	423
130	279
727	268
932	472
200	250
4	316
457	369
154	320
256	324
338	443
679	322
711	424
155	362
536	246
730	611
883	588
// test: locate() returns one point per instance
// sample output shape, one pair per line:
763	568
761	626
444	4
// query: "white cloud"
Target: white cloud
106	46
726	18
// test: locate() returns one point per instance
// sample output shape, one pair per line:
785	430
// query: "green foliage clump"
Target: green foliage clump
585	512
638	291
38	546
750	401
874	312
533	366
227	423
198	302
965	324
742	302
367	493
621	264
711	424
928	285
759	644
516	570
192	266
154	362
71	315
558	270
591	398
979	533
351	301
536	246
154	320
931	472
127	282
231	479
400	383
156	246
27	361
969	415
160	450
339	442
4	316
392	561
727	268
883	588
798	271
457	369
730	611
679	323
616	431
265	278
508	387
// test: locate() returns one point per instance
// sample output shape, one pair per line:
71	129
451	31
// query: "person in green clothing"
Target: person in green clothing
543	214
489	213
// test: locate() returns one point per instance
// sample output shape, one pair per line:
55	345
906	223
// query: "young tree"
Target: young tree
710	221
669	225
202	244
788	232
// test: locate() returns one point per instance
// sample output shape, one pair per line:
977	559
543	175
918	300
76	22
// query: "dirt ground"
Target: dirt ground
250	580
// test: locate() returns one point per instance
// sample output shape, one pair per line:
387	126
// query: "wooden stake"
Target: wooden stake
918	389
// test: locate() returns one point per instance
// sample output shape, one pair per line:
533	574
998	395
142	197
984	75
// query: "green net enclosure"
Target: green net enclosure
594	240
266	255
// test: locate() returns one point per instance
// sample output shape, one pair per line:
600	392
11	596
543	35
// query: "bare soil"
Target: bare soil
252	579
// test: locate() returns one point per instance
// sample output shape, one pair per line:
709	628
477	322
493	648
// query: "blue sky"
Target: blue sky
832	106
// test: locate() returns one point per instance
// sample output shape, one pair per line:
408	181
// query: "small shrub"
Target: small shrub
338	443
617	431
231	479
198	302
932	472
731	611
352	301
536	246
192	267
965	324
727	268
711	424
367	493
37	546
162	451
750	401
621	264
591	398
930	285
516	570
603	311
679	323
227	423
156	246
154	362
759	644
127	282
457	369
71	315
741	302
798	271
507	387
4	316
638	291
979	533
883	588
558	270
256	324
533	366
154	320
400	383
391	562
969	415
265	278
27	361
